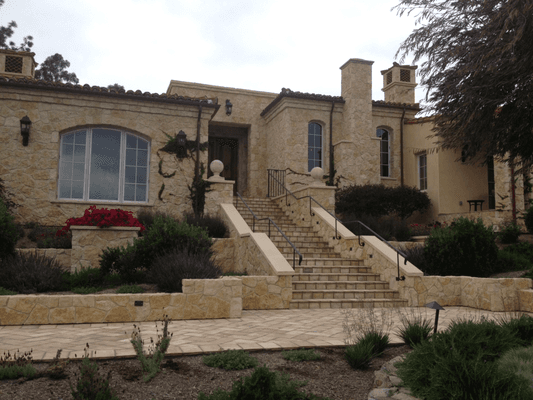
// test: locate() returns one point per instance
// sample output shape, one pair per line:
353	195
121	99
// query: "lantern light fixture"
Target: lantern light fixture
25	124
229	107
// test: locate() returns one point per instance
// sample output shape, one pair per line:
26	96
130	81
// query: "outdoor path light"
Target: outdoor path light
25	124
437	307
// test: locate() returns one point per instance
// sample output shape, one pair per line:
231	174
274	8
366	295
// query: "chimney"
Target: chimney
17	64
399	83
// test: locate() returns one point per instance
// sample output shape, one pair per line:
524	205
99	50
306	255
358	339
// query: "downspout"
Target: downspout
513	194
401	147
331	160
198	127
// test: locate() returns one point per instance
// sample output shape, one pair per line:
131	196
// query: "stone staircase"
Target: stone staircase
324	280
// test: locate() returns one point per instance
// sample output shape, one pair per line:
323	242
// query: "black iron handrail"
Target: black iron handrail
337	237
295	250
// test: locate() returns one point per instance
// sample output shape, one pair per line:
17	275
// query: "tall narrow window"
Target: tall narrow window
103	164
422	172
384	152
315	146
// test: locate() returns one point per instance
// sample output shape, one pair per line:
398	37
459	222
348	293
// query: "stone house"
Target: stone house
90	145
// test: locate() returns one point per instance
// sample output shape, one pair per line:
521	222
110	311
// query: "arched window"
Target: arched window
315	145
384	151
103	164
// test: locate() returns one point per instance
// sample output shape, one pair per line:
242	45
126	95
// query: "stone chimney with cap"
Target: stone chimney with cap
399	83
17	64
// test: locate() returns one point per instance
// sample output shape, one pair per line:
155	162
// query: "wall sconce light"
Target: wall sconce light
229	107
181	140
437	307
25	124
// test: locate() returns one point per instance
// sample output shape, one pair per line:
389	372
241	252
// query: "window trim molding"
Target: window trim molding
87	167
389	158
419	180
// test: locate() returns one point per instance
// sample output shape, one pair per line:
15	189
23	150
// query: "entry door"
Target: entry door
227	151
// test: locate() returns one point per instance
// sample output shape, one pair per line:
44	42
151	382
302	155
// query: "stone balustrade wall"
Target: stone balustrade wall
224	253
201	299
88	242
220	192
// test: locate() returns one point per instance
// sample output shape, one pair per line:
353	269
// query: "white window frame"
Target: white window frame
321	160
379	134
422	177
87	167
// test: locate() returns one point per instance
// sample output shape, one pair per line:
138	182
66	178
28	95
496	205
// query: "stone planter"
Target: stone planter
419	239
88	242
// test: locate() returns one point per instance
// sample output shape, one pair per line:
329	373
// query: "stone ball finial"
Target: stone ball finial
317	174
216	167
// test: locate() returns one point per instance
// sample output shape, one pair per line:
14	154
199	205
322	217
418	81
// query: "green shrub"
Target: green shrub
151	362
360	355
16	365
416	255
122	262
262	384
45	238
528	219
147	217
299	355
90	385
379	342
415	329
130	289
509	233
524	249
231	360
169	270
30	273
8	232
464	248
511	261
519	361
460	364
213	225
83	277
5	292
388	227
86	290
521	328
380	200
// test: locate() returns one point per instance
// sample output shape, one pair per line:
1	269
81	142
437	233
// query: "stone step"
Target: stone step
325	277
333	269
340	285
347	303
317	261
345	294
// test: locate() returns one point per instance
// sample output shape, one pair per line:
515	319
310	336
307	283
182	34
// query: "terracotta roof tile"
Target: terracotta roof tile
299	95
103	91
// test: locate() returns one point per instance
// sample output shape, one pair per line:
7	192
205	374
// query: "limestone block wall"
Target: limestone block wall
220	192
201	299
88	242
266	292
34	182
62	256
224	253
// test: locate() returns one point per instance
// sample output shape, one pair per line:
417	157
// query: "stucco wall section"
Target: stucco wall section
88	242
201	299
31	173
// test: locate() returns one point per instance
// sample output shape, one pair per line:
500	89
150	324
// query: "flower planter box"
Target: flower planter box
88	242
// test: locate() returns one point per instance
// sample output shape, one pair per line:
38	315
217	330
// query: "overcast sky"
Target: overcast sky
260	45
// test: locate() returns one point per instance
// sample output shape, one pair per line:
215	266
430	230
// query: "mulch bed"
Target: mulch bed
186	376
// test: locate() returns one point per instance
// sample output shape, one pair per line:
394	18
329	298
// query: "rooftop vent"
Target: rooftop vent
13	64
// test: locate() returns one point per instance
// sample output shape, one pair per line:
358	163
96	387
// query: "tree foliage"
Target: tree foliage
477	62
7	31
54	69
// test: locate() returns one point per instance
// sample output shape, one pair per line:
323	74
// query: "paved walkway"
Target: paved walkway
255	330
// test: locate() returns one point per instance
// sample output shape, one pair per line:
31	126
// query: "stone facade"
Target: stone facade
201	299
88	242
266	292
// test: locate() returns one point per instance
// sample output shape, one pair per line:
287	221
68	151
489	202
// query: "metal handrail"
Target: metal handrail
295	250
337	237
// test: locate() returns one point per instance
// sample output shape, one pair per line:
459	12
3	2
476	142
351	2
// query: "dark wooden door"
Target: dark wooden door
227	151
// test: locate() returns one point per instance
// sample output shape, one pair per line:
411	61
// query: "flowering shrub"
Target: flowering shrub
102	218
425	230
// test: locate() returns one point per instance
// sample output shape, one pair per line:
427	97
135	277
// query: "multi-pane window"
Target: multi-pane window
315	146
422	172
384	152
103	164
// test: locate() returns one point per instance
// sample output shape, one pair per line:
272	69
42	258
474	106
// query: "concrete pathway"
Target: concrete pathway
255	330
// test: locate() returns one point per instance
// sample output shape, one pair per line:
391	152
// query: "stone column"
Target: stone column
220	190
88	242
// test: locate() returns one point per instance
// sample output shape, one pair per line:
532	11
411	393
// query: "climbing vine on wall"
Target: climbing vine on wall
198	190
